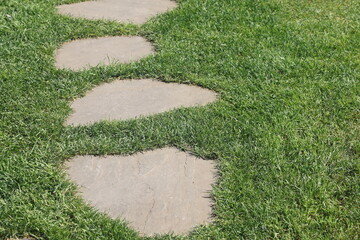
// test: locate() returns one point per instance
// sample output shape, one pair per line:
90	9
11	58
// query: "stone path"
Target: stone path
86	53
156	192
161	191
127	99
124	11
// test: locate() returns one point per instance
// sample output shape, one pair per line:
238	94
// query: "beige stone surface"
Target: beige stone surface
124	11
127	99
156	192
85	53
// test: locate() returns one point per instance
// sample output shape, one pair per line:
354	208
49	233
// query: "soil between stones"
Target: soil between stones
85	53
157	192
124	11
127	99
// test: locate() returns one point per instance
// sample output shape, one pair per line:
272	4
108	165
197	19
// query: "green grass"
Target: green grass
285	132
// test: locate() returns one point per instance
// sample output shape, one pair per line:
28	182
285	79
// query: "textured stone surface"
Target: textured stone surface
86	53
127	99
124	11
157	192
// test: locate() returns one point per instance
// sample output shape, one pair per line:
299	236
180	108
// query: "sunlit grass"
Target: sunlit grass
285	132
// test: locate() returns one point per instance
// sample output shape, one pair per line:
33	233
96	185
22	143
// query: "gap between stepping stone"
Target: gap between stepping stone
123	11
85	53
128	99
157	192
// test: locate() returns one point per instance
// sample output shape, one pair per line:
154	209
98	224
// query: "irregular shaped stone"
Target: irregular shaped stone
127	99
86	53
124	11
160	191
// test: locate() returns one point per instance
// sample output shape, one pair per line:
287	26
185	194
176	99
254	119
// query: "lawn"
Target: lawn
285	131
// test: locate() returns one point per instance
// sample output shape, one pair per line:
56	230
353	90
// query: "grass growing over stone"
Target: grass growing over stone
285	132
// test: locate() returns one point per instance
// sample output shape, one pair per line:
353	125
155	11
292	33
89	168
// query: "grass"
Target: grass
285	132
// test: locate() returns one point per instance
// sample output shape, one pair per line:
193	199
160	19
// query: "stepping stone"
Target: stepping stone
124	11
157	192
128	99
83	54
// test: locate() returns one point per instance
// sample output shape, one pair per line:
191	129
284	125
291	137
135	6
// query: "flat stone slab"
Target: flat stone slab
128	99
157	192
123	11
85	53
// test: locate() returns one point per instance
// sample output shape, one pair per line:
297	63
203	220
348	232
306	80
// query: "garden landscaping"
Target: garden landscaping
189	120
